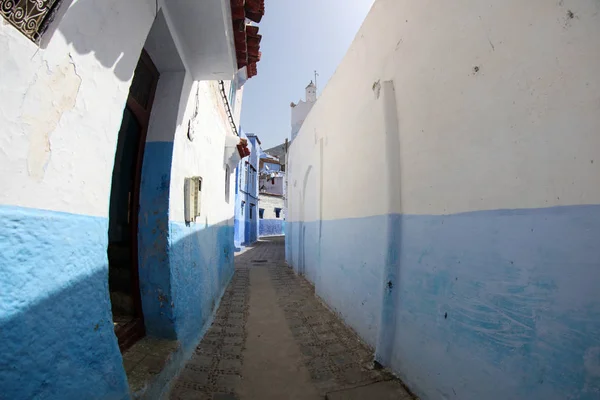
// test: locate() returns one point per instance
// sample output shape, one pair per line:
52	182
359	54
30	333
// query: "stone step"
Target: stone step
386	390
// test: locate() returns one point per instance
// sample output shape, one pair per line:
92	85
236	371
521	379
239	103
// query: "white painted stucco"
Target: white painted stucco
269	203
272	185
62	104
497	107
58	135
301	109
203	156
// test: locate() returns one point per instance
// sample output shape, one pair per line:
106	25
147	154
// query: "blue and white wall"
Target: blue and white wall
462	244
60	114
272	224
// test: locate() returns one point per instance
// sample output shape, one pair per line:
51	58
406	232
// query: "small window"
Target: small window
277	212
261	213
227	183
251	210
192	190
30	17
232	93
243	206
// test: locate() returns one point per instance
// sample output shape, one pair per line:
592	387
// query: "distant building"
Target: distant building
280	153
246	195
272	196
302	108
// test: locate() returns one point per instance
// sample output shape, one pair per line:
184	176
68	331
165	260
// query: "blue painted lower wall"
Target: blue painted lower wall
201	260
245	229
154	241
251	231
482	305
271	227
55	317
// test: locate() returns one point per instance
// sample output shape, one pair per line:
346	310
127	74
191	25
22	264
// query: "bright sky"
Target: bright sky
298	37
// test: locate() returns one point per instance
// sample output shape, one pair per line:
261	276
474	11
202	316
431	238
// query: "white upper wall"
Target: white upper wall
203	157
496	109
299	113
269	203
61	106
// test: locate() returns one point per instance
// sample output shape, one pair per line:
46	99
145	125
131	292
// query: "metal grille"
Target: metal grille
28	16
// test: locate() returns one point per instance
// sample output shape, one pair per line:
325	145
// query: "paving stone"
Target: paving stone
233	340
336	348
131	359
321	375
200	378
232	350
230	364
224	396
201	361
310	351
189	394
229	383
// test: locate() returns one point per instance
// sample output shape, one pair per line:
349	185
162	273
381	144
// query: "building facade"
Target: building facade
461	241
118	126
272	196
246	198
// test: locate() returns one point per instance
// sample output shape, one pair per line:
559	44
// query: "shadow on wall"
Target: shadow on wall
113	31
202	264
55	320
63	346
55	313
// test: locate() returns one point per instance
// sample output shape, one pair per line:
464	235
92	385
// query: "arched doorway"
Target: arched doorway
124	205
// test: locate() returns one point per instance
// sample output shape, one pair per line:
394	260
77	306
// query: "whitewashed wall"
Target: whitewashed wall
269	203
299	113
203	156
504	140
59	150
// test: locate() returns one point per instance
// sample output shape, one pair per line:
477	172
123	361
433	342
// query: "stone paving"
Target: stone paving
324	355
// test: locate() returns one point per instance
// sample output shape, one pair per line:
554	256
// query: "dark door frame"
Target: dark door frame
130	333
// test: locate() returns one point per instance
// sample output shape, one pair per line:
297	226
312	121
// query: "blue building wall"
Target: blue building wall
239	218
271	227
246	193
479	305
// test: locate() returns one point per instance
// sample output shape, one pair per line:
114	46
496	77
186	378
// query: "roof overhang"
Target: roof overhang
203	32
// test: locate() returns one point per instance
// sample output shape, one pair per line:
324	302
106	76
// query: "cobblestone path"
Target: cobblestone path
273	339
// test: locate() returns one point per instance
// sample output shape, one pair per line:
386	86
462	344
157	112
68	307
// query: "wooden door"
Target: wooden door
125	201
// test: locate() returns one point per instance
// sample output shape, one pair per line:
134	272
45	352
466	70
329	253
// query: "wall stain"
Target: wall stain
53	92
377	88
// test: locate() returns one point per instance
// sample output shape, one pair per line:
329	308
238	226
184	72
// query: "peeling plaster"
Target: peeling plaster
52	93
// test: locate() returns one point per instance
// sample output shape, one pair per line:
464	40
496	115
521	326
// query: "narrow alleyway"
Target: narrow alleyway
273	339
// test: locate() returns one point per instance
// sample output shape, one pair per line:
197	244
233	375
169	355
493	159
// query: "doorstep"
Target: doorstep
150	365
